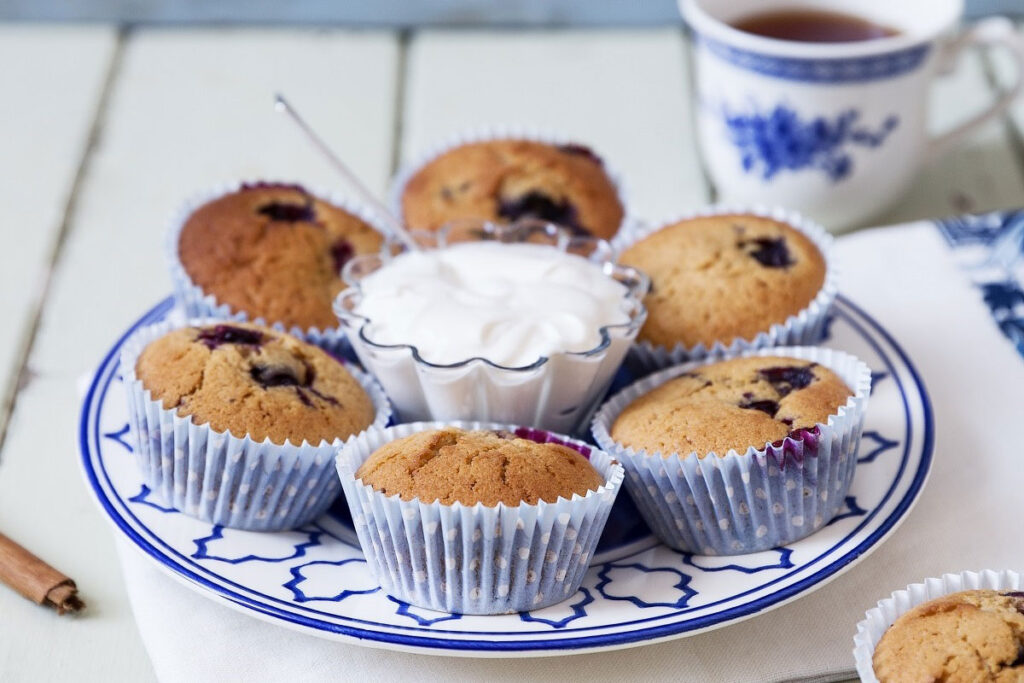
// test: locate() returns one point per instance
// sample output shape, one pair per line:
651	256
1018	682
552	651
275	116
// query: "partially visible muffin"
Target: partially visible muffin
723	277
453	465
731	404
506	180
252	380
970	636
273	251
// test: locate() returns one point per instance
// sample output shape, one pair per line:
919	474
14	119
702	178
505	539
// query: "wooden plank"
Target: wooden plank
981	174
44	505
52	78
192	110
625	92
188	109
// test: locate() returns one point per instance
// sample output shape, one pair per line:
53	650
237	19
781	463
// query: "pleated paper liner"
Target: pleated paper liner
475	559
744	502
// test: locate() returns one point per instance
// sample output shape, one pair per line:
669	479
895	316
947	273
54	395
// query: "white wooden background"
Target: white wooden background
105	130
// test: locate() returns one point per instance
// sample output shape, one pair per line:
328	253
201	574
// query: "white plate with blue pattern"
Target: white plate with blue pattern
637	591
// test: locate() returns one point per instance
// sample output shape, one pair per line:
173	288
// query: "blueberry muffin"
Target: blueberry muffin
273	251
731	405
719	278
505	180
490	467
251	380
970	636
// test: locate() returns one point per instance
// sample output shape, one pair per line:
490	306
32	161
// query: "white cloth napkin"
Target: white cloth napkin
913	282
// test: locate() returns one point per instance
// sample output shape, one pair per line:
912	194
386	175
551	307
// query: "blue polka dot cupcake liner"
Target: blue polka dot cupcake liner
477	559
495	132
802	329
878	619
199	304
223	478
744	502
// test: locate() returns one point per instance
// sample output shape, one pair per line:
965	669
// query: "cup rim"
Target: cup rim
702	23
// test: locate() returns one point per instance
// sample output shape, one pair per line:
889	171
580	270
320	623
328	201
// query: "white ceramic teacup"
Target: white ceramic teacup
836	131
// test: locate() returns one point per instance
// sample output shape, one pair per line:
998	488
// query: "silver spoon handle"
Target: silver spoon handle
396	227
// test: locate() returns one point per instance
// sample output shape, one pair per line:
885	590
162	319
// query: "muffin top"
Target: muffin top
732	404
248	379
273	251
453	465
716	278
504	180
970	636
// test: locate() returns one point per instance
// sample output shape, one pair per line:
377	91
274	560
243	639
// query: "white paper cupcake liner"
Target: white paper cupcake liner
198	304
222	478
802	329
751	501
476	559
878	619
557	392
488	133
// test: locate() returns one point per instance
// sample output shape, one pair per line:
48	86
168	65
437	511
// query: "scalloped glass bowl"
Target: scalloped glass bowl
556	392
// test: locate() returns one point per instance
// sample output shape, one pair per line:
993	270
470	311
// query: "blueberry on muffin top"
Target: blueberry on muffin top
731	405
508	180
719	278
273	251
252	380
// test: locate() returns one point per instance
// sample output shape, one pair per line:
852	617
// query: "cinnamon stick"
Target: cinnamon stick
36	580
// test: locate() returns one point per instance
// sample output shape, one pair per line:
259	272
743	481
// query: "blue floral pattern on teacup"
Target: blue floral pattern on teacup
780	140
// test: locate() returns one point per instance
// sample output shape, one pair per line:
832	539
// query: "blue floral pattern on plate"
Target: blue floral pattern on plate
314	578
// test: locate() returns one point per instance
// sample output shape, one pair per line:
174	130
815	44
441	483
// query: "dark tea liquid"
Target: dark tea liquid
812	26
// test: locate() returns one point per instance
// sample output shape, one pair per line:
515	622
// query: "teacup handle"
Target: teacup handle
991	32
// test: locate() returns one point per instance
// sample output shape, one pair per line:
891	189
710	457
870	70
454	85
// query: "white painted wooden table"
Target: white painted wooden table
105	130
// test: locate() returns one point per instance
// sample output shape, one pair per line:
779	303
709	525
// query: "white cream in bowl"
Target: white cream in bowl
510	304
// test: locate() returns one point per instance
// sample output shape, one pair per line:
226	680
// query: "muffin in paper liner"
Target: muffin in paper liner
223	478
750	501
198	304
878	619
477	559
557	392
495	132
801	329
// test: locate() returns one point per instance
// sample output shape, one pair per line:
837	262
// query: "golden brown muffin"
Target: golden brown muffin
964	637
273	252
505	180
252	380
718	278
733	404
452	465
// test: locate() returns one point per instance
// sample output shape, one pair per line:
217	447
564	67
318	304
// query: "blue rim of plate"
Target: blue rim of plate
106	371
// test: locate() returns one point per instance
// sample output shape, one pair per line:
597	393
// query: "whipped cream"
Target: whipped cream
508	303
